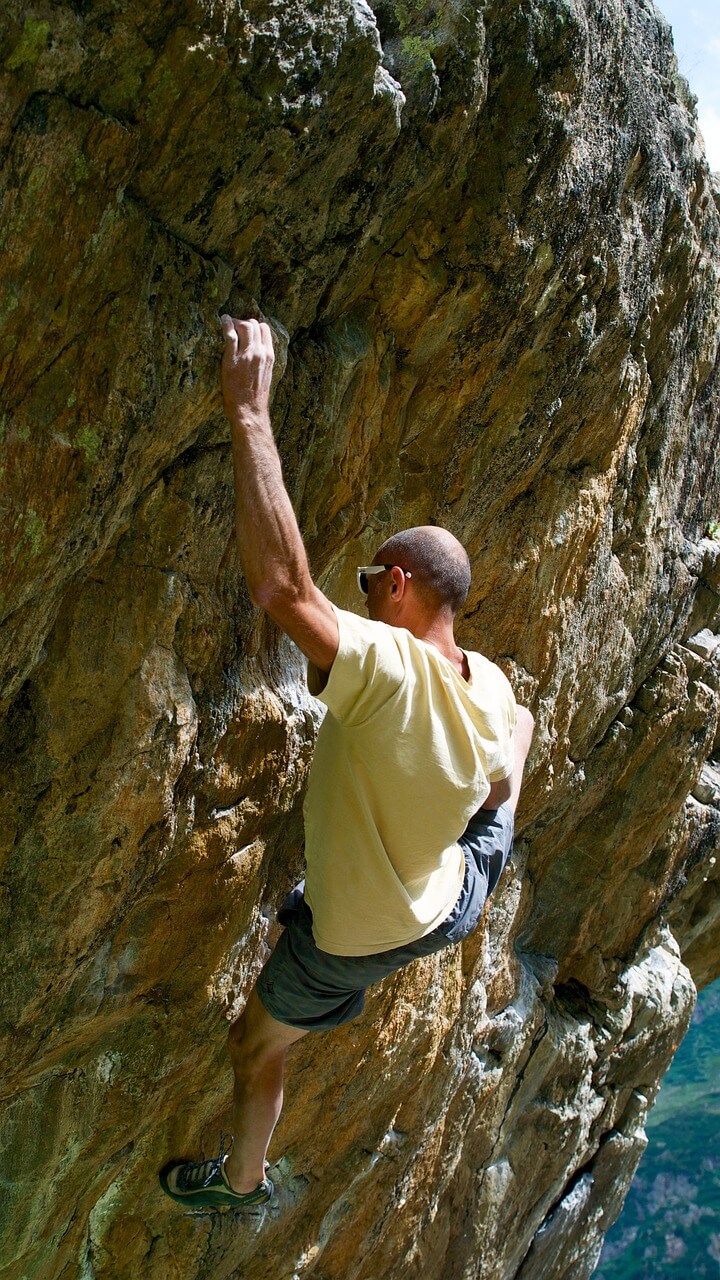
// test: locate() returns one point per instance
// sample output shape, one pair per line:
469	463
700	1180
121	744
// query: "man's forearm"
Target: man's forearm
271	549
272	554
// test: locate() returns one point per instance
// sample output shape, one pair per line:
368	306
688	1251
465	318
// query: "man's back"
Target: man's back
405	756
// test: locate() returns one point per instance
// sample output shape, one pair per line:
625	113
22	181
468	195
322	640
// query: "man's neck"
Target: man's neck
439	632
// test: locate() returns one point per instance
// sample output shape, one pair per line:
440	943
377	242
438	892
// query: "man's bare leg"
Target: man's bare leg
524	728
258	1047
507	791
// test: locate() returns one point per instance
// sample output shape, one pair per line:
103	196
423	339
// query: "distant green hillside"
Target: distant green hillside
670	1225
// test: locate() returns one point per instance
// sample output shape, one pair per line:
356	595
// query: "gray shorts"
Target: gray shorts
305	987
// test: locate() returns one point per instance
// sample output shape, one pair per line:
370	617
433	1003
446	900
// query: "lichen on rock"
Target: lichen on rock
488	244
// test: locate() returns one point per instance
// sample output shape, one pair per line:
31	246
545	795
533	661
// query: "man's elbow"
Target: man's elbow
279	597
500	791
269	595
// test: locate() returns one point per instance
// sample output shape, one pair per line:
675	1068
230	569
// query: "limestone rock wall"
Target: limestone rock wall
488	243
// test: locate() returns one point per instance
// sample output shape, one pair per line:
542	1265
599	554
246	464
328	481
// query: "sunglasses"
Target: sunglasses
365	571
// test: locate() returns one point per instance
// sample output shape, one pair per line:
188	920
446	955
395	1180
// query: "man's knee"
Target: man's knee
237	1034
250	1052
525	721
255	1039
524	729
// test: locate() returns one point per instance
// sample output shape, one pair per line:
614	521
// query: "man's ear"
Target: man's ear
398	583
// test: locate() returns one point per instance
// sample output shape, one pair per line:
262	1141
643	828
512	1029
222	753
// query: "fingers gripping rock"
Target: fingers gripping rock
244	308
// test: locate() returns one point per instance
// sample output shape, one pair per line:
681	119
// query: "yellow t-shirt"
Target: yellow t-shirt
404	757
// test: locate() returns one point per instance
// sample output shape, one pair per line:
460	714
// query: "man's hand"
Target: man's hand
246	369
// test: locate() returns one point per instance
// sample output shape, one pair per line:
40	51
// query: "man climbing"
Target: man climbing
412	791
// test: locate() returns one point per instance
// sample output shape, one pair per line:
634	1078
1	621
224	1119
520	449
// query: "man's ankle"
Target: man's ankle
234	1177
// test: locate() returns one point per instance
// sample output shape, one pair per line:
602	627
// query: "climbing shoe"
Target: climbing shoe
203	1184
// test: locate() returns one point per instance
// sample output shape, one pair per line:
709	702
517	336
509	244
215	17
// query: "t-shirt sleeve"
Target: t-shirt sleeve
501	765
367	671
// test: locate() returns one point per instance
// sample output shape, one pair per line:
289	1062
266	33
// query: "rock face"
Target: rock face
488	243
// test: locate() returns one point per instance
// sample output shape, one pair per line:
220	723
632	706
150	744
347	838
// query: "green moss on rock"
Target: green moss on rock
88	441
33	41
416	49
34	535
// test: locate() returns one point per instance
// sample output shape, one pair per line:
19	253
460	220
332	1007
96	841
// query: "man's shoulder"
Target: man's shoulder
360	625
481	662
369	666
358	633
487	673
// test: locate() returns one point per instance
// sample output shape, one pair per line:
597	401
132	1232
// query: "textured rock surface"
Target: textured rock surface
489	246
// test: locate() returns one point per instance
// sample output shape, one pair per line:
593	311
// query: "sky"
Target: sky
696	36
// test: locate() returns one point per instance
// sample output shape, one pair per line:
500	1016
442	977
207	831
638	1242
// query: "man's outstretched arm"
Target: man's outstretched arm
271	548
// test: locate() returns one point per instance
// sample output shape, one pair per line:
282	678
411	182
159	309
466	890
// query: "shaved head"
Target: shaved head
438	562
